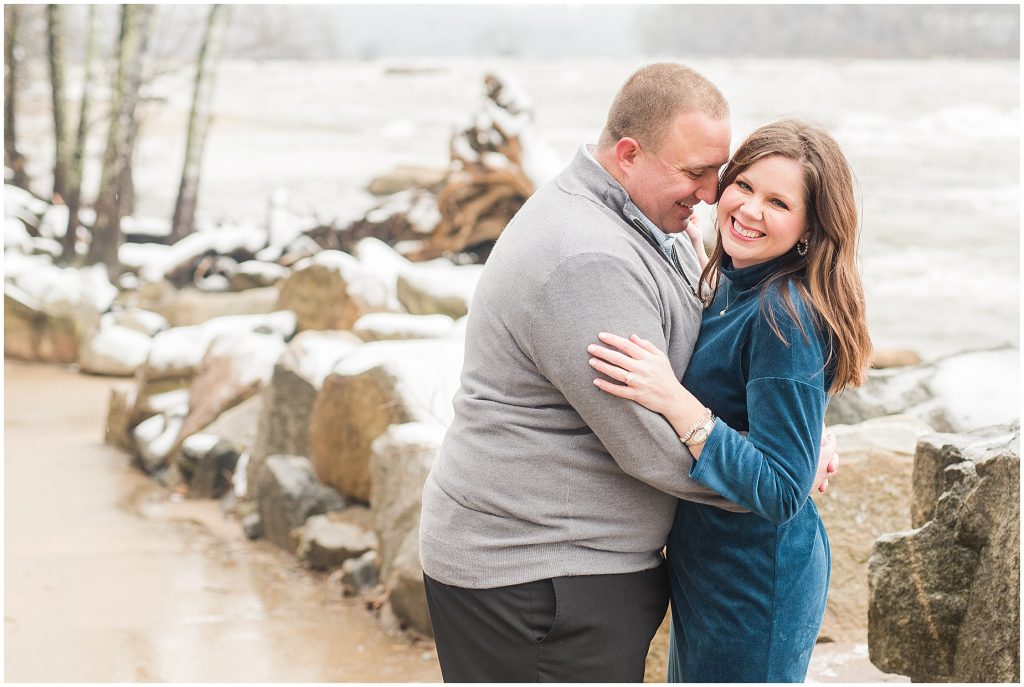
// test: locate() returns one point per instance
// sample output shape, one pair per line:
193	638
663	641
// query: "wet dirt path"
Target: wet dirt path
107	580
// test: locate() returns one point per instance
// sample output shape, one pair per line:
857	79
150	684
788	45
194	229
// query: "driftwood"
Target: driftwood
486	185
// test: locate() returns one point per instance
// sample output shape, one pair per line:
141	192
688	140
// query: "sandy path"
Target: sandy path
107	581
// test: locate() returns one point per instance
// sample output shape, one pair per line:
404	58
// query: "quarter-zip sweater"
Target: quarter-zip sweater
541	474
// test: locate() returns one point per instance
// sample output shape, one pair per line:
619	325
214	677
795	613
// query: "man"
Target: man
546	512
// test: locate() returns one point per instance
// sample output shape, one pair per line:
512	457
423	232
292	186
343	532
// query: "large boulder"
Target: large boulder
177	352
234	369
114	351
945	597
402	458
379	384
332	289
957	393
438	287
238	424
49	310
191	306
283	426
396	326
290	495
866	499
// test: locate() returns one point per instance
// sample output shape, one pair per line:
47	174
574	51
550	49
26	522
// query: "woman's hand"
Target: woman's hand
692	232
645	372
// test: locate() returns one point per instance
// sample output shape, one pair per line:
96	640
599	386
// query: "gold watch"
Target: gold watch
700	433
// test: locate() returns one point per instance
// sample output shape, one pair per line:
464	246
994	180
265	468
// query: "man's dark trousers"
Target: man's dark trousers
591	628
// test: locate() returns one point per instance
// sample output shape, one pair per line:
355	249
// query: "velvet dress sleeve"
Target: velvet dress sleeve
771	470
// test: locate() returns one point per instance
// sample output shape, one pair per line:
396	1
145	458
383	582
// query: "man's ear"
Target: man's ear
626	152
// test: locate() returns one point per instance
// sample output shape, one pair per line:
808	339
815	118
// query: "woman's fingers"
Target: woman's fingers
624	345
645	344
613	357
610	370
619	390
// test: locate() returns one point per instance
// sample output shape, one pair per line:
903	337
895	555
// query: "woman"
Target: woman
784	328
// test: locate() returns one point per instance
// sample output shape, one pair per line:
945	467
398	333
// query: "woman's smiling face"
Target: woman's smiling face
763	212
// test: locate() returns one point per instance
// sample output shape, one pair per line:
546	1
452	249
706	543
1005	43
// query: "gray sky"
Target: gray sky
575	30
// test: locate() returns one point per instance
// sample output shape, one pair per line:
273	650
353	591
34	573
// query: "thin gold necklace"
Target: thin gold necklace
728	305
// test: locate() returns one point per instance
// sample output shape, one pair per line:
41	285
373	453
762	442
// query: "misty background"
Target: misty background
315	32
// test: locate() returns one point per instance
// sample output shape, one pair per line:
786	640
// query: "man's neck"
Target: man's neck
606	158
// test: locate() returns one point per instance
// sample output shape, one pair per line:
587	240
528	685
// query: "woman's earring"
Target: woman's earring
801	247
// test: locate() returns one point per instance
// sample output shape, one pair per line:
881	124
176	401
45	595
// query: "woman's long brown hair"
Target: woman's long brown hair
826	278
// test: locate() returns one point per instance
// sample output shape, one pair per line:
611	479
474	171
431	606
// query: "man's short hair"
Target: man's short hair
652	97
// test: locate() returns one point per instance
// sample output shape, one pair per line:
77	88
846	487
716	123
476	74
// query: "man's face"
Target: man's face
667	183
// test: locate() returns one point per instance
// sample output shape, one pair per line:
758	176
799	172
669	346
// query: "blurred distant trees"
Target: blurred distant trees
13	159
55	42
75	169
183	221
115	181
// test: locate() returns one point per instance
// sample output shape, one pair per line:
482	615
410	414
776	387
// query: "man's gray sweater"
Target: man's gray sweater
542	474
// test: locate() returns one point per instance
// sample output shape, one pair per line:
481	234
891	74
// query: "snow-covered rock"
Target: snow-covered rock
155	439
438	287
257	273
145	321
16	235
156	227
177	351
21	204
224	240
377	385
114	350
54	222
189	306
34	335
82	294
288	399
956	393
51	248
332	289
236	365
418	207
392	326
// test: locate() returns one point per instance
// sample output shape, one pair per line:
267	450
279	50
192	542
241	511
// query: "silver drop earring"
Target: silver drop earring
801	247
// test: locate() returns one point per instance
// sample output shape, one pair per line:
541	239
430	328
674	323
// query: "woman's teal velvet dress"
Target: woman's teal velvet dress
749	589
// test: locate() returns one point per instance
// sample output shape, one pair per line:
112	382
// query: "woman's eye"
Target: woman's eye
743	185
779	204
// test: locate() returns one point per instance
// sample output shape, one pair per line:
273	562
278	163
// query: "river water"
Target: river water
935	146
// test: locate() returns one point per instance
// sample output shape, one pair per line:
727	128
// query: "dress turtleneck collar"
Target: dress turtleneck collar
744	278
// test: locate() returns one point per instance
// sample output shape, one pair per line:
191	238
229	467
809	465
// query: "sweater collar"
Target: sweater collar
746	277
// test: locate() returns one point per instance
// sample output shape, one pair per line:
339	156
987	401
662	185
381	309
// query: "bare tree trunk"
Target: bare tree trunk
12	59
74	196
117	160
183	222
55	40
